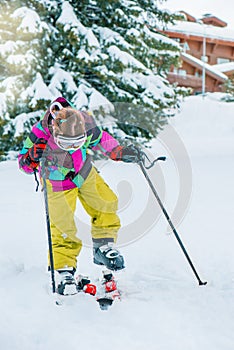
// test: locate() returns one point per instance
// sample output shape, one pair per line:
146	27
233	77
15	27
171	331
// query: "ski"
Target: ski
108	291
105	290
80	285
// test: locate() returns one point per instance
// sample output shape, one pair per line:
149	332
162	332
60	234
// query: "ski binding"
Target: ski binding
108	291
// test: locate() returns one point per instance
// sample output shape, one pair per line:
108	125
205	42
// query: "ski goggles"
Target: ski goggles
70	143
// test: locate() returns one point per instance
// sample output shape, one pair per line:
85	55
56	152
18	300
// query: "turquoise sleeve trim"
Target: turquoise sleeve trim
84	153
95	142
27	144
39	126
23	151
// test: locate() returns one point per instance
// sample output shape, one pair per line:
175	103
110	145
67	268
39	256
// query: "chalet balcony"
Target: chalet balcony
185	80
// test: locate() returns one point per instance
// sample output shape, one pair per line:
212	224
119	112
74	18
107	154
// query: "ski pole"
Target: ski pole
167	216
43	173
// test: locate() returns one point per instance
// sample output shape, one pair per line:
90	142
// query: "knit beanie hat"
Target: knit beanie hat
68	122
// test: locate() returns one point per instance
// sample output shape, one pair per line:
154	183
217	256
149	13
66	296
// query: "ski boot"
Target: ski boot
105	254
67	284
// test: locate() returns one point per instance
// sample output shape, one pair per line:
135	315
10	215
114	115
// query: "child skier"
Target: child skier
63	136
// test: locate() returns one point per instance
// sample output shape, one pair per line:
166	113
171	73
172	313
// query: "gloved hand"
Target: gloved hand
128	154
36	151
131	154
32	157
26	160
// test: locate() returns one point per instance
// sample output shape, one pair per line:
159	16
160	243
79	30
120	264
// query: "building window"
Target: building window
182	72
185	46
222	60
197	74
179	71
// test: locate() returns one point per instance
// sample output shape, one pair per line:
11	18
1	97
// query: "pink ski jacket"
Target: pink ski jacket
67	169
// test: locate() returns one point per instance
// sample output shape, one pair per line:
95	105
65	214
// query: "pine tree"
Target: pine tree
23	38
229	89
92	52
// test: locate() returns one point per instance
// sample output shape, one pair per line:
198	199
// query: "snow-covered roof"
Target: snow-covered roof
211	69
224	67
201	29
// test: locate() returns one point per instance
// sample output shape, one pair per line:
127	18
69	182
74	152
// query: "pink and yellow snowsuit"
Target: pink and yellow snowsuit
70	177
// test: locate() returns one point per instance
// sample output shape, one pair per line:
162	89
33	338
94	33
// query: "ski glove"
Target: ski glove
36	151
128	154
34	154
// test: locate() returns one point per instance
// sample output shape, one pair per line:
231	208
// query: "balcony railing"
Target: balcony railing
185	80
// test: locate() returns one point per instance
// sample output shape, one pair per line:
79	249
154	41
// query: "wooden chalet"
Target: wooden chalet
193	35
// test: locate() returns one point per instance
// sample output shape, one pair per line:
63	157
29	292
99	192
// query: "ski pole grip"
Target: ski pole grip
163	158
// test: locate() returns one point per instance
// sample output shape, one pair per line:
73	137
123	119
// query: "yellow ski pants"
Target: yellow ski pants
100	203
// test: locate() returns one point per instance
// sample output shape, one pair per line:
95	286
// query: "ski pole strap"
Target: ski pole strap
145	157
36	179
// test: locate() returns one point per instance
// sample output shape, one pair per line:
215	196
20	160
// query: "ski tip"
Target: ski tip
104	303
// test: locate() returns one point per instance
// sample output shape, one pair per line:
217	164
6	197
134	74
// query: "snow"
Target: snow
61	76
89	98
162	306
8	47
124	57
80	99
219	115
8	85
83	55
31	22
69	20
105	51
195	28
96	100
68	17
211	68
224	67
37	91
3	105
21	119
154	87
162	38
134	32
21	60
112	37
91	39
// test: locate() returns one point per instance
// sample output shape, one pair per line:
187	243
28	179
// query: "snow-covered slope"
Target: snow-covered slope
163	307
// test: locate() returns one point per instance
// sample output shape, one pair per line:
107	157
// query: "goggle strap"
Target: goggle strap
58	104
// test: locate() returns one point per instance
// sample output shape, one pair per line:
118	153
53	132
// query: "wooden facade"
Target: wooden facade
218	50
